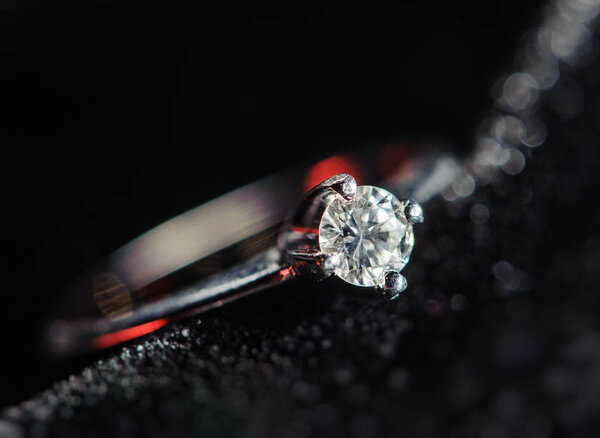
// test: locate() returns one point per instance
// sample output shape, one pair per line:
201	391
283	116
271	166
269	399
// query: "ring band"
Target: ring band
222	250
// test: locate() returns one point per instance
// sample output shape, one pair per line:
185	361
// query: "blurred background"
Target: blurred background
119	115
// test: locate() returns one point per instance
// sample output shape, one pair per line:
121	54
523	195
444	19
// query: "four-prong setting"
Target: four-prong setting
363	234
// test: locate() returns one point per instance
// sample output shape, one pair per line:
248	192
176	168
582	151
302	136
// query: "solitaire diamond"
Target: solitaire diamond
370	233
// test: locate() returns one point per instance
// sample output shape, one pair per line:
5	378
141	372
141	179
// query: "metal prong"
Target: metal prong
413	212
342	183
348	187
394	283
314	262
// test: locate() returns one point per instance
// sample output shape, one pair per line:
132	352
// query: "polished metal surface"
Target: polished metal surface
207	229
258	273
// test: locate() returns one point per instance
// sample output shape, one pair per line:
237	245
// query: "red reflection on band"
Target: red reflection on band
304	230
285	273
329	167
120	336
395	162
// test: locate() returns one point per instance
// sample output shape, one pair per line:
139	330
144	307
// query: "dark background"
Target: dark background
122	114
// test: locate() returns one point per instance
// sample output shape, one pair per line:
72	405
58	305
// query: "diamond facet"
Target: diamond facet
371	234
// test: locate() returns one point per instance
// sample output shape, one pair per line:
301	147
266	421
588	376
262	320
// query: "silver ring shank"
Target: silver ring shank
207	229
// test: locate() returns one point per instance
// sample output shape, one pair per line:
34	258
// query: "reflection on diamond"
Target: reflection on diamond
370	233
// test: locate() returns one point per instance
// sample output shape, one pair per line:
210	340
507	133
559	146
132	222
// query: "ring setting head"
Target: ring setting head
364	232
370	233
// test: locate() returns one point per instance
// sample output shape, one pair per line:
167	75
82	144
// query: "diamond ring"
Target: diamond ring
363	235
250	239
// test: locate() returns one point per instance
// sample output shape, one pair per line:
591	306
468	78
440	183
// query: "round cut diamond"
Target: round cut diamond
370	233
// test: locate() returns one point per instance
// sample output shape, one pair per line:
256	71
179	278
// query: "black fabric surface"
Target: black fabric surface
497	335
